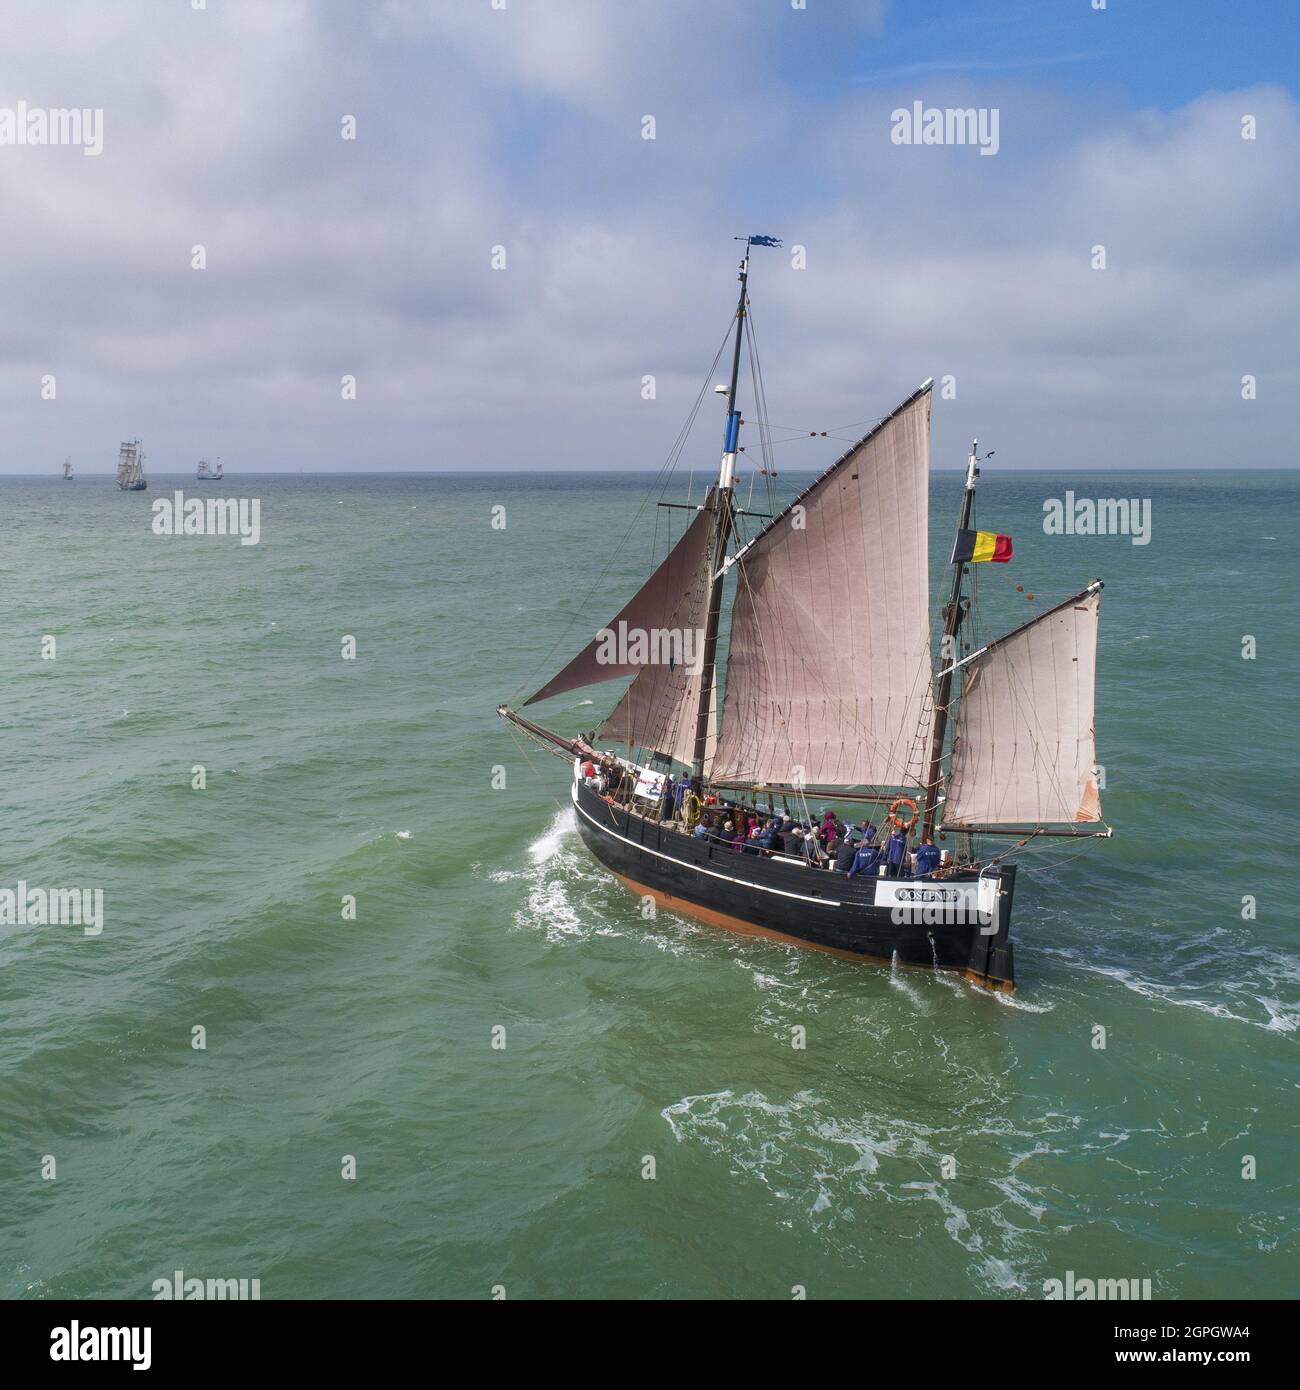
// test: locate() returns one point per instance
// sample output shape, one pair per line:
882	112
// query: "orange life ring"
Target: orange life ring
894	816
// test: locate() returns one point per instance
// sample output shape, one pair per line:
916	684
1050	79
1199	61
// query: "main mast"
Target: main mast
722	524
952	617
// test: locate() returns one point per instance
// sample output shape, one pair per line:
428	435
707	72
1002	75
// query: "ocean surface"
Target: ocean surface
931	1140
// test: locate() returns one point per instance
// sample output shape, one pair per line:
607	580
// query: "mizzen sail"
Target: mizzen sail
829	663
1024	752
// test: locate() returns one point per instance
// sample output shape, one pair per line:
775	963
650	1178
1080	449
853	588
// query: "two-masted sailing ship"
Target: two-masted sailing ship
130	467
208	472
832	693
67	470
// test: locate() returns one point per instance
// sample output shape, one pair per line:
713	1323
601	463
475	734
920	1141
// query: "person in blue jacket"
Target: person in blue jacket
865	860
927	858
895	850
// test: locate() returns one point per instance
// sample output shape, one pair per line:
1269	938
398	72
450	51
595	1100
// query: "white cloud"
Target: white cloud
522	127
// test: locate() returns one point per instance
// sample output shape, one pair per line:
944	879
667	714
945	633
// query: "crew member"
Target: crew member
865	858
895	850
845	855
927	858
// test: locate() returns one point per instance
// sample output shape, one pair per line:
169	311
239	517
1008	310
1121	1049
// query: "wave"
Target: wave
822	1164
557	869
1018	1002
1260	972
549	843
570	897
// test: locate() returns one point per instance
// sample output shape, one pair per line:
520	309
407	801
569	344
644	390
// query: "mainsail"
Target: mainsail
1024	751
658	637
829	663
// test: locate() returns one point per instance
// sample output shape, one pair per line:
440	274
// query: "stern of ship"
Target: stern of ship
992	956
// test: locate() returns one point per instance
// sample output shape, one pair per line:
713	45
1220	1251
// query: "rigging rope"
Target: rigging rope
662	479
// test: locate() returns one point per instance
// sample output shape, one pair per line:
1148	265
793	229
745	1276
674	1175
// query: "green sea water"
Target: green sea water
930	1140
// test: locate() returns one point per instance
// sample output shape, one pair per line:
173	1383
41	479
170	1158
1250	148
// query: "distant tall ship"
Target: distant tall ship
130	467
209	472
67	469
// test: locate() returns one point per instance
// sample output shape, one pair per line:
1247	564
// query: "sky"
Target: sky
514	130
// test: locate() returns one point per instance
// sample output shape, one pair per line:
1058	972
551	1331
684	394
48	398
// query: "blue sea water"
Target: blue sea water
930	1139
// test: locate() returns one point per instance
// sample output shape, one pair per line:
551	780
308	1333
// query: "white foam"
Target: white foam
1010	1000
1282	1018
548	843
1275	968
802	1151
558	881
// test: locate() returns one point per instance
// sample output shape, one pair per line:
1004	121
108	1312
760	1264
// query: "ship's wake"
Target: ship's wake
829	1171
1212	974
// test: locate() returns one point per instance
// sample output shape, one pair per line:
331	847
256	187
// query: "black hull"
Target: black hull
859	918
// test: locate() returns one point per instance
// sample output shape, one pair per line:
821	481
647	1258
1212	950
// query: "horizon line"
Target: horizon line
620	473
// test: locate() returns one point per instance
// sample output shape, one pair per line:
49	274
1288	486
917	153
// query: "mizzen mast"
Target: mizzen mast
952	617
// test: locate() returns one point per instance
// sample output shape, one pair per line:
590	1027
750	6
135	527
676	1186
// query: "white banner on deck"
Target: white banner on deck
649	785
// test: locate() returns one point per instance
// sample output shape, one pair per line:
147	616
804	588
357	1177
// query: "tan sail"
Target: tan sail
1024	751
658	636
658	711
652	608
829	662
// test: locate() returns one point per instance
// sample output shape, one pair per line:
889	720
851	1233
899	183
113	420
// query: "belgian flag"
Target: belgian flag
974	547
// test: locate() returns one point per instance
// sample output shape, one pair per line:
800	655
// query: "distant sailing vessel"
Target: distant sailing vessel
208	473
831	692
130	467
67	469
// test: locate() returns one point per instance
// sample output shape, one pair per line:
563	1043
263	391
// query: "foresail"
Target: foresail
828	669
662	624
658	713
1024	751
659	709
